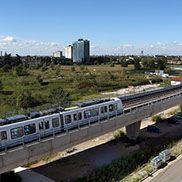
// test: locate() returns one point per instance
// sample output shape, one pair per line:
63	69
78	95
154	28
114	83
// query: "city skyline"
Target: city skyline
117	27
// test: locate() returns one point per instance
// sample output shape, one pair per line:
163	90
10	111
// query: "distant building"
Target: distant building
69	52
57	54
81	51
176	81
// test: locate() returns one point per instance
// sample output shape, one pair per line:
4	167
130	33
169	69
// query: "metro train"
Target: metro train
14	131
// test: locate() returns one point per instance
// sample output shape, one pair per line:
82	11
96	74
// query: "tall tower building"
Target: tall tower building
69	52
81	51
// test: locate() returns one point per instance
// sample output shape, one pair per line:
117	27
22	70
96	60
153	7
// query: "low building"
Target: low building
176	81
57	54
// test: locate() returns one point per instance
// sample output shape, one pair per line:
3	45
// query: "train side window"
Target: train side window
3	135
75	117
111	108
55	122
80	116
68	119
41	126
29	129
105	108
87	114
95	112
102	110
16	132
47	124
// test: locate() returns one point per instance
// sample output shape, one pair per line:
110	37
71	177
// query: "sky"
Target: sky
41	27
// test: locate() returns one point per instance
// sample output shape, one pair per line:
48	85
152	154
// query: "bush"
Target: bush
39	79
44	67
112	65
24	99
157	118
82	67
119	134
73	69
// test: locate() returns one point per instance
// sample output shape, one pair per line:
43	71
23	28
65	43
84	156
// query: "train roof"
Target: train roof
93	102
12	118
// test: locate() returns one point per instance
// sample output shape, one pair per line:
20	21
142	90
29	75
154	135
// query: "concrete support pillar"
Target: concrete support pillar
133	130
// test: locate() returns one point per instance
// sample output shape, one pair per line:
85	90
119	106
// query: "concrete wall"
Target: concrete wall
31	152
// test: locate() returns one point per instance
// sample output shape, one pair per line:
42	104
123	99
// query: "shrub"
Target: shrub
73	69
119	134
39	79
157	118
82	67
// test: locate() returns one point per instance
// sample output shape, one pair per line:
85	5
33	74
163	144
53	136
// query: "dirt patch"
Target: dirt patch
85	85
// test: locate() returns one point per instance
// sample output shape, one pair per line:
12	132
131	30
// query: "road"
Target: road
172	174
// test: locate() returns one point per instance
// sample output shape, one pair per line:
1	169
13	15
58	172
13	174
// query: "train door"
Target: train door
41	128
103	112
75	120
95	114
3	138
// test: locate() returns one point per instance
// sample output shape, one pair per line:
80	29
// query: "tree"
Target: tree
39	79
161	63
1	85
58	72
44	67
52	65
59	95
137	63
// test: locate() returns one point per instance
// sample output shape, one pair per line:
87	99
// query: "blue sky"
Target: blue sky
40	27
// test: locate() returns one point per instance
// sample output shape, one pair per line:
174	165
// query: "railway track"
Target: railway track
147	98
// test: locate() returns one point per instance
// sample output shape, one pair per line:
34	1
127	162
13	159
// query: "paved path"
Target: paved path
31	176
172	173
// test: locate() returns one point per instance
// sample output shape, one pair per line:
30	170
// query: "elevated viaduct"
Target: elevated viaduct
140	107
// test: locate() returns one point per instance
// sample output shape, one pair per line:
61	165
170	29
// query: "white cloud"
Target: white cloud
13	45
9	39
28	47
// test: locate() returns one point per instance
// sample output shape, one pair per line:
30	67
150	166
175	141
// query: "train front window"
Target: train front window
55	122
115	106
47	124
29	129
16	132
68	119
111	108
3	135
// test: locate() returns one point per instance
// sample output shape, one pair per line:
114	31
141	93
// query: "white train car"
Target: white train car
84	113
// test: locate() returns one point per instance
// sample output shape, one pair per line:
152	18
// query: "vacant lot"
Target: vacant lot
80	82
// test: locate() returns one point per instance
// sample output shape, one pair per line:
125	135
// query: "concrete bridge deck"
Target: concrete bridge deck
131	120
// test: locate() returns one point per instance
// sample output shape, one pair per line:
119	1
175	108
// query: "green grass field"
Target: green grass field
81	83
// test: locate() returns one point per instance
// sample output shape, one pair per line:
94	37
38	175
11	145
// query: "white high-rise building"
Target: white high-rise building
57	54
69	52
